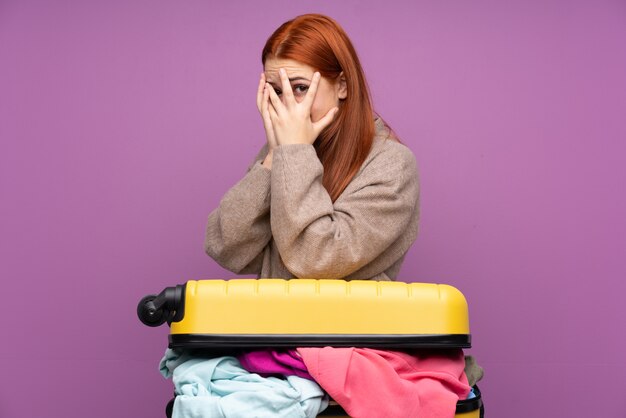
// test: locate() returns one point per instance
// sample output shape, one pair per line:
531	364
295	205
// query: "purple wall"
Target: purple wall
123	123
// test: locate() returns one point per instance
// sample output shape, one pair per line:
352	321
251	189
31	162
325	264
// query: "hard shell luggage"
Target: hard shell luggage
223	317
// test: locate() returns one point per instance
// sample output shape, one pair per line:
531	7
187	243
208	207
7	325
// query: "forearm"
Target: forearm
321	239
239	229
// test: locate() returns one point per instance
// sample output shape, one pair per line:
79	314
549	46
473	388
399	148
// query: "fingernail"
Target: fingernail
282	71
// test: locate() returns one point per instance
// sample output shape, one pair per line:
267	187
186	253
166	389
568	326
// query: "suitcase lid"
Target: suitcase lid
254	313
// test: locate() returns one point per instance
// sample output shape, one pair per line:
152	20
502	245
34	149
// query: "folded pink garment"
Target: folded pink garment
375	383
269	362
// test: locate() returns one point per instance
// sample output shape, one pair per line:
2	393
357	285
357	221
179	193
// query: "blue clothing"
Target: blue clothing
472	394
220	387
172	359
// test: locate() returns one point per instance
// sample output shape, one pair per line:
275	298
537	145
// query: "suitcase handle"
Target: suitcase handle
168	306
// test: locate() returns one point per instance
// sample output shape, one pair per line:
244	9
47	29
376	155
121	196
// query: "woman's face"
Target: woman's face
329	92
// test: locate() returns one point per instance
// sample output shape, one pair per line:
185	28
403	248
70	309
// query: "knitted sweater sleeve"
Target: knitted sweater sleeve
239	228
317	238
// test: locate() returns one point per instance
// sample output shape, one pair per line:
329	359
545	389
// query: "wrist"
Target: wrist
267	162
295	137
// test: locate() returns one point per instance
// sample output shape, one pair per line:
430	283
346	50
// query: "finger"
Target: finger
325	121
310	94
275	100
259	93
286	85
265	108
273	113
267	121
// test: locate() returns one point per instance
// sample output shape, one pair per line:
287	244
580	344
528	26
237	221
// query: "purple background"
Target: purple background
123	123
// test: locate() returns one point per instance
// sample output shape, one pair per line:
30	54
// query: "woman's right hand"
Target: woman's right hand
262	103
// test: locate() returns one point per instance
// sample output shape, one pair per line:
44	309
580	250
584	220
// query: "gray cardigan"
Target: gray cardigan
364	234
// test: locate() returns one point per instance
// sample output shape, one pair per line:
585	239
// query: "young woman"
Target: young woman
333	194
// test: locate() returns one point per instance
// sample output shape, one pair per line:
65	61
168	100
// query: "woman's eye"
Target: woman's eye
300	89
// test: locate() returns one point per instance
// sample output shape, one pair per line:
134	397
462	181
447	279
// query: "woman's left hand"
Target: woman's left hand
292	120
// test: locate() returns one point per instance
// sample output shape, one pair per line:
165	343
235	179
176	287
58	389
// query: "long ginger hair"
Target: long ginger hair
319	42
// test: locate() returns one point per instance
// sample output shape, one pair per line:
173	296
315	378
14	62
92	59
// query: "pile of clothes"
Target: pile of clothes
298	383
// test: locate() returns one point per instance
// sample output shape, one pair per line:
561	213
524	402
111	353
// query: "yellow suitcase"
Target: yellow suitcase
225	316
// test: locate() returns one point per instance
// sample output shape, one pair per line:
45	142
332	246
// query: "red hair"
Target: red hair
319	42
